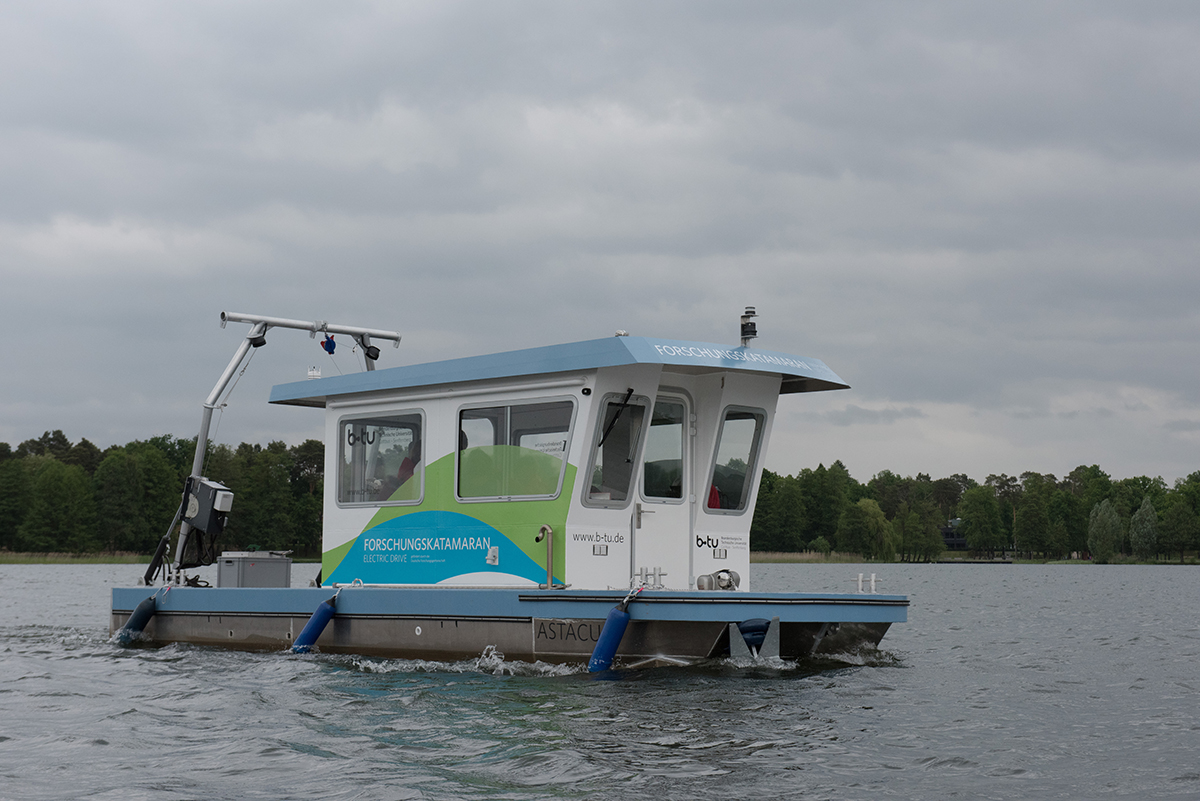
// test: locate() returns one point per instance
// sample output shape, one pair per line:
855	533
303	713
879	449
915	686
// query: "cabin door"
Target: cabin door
662	515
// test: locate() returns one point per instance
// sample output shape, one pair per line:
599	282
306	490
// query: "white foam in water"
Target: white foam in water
490	662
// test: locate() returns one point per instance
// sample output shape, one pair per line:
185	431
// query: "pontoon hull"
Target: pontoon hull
527	625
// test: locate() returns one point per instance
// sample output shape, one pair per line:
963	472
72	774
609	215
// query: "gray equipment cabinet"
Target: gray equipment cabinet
254	569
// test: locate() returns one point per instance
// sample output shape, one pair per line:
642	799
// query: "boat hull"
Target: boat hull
559	626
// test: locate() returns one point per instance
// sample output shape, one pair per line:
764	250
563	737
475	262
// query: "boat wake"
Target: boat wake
866	656
490	662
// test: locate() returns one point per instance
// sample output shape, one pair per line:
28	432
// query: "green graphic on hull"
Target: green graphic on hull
515	523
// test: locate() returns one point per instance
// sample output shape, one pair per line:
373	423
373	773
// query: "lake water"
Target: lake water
1007	682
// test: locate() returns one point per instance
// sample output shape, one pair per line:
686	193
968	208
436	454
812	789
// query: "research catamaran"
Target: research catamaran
584	502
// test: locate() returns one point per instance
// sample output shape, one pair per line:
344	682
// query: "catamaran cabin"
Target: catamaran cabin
595	465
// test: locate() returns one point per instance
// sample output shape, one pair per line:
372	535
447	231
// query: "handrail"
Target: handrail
547	533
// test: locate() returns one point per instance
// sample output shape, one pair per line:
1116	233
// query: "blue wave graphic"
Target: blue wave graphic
430	547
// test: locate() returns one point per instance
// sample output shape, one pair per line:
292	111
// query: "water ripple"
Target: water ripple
1009	682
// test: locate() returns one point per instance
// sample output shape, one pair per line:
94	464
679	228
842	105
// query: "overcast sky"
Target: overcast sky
984	217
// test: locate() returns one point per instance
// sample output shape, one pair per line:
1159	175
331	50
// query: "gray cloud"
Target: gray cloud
980	213
854	415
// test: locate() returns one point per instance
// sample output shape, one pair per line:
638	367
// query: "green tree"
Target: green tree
1059	541
854	531
931	544
904	530
918	534
1031	532
179	453
779	520
981	520
787	518
52	443
946	494
84	454
763	536
1090	484
1008	494
864	529
162	492
264	498
14	499
889	490
1188	490
1128	494
1143	530
825	494
1068	521
119	491
1104	532
308	470
62	513
308	481
1179	528
307	514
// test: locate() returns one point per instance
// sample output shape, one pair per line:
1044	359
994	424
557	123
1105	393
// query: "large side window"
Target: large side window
379	459
618	434
737	453
515	450
662	476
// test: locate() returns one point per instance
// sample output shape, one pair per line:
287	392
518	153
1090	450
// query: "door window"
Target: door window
662	474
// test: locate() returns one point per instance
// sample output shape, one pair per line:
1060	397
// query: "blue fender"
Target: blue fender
609	640
132	630
315	625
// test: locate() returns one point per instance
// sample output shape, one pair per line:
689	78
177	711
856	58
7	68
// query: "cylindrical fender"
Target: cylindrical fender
133	627
609	640
315	625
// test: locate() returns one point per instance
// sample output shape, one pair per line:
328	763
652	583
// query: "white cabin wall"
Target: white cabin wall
343	524
339	525
588	526
713	395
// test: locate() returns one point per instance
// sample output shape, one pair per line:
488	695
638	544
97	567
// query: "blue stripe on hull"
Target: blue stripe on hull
517	603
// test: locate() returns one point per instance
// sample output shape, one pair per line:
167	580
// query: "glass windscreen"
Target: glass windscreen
617	439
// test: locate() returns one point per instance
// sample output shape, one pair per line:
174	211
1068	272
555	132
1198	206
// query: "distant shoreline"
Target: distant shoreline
23	558
814	557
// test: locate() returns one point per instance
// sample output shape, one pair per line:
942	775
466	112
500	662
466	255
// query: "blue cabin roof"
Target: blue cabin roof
799	373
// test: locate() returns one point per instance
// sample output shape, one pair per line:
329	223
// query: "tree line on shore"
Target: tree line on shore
59	496
1086	514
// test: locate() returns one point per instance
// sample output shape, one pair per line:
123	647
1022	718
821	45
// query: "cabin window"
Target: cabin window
737	453
515	450
662	473
614	454
379	459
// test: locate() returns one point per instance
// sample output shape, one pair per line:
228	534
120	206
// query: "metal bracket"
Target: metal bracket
770	645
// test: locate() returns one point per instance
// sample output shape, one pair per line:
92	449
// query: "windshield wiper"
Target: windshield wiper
608	430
